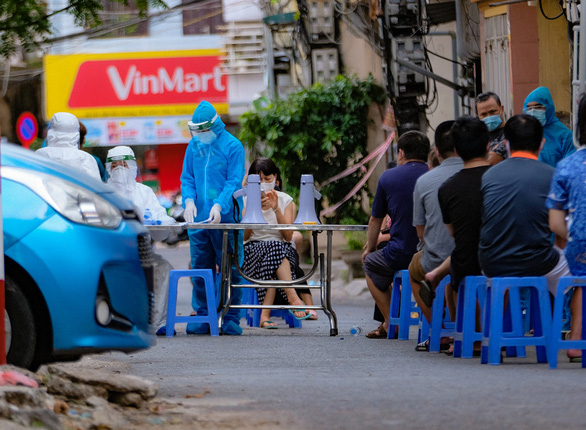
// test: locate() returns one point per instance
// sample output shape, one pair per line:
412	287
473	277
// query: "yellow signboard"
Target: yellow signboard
169	83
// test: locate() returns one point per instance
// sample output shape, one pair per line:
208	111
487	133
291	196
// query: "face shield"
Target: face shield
203	130
122	169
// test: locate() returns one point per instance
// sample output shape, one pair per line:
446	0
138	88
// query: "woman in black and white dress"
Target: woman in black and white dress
270	254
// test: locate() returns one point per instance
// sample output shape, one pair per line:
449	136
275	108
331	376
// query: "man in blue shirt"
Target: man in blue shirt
394	197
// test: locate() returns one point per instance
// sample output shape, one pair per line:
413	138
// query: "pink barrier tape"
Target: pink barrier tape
381	149
354	190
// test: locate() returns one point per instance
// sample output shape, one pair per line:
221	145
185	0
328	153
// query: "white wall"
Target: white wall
444	106
241	10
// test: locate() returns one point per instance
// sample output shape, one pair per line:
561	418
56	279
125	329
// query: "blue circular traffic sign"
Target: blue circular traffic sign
26	128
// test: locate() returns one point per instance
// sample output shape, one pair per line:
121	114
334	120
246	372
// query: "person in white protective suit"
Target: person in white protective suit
122	170
63	145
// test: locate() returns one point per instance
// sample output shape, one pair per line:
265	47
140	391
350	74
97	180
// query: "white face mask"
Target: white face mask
207	137
121	176
264	186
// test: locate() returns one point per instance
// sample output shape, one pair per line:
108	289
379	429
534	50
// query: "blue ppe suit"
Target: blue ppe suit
559	142
211	174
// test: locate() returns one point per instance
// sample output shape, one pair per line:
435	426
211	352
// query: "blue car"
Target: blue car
78	274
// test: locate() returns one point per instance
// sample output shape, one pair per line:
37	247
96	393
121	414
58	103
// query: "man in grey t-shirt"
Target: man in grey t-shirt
436	243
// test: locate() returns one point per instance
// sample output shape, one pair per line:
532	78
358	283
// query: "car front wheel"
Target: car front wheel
21	333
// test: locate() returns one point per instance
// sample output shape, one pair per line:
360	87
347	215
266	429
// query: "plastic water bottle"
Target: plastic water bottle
148	217
355	331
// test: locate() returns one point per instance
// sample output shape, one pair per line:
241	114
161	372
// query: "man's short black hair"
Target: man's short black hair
470	136
443	139
487	95
524	133
415	145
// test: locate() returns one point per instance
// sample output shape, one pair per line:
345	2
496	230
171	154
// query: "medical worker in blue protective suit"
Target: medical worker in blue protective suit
559	142
213	169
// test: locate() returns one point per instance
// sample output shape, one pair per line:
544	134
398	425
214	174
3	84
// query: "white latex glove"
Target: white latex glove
215	215
190	211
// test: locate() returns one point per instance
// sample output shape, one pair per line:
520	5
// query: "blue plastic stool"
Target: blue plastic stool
472	288
424	329
556	343
211	318
445	326
400	313
440	326
494	337
253	315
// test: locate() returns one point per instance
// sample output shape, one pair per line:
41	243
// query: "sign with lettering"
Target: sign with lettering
136	131
134	84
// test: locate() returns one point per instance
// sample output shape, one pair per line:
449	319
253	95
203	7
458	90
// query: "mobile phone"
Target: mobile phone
262	194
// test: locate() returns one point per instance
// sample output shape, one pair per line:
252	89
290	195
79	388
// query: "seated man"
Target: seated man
515	239
427	219
394	197
461	205
491	112
567	218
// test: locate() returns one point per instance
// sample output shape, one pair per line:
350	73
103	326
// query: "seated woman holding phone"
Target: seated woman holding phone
270	254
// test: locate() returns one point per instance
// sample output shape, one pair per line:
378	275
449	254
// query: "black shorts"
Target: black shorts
379	270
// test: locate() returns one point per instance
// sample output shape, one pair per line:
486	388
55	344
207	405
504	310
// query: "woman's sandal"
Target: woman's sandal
269	324
378	333
292	312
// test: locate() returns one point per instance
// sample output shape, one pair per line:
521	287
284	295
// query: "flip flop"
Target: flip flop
575	359
424	346
268	326
382	333
292	312
426	293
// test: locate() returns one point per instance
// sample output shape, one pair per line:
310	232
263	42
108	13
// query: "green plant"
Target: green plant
356	240
319	131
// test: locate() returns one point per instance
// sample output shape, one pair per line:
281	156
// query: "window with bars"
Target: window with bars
203	17
123	20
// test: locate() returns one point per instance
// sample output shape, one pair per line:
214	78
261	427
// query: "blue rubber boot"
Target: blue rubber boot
231	328
197	328
162	331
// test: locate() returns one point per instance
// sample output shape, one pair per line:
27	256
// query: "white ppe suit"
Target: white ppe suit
63	145
122	178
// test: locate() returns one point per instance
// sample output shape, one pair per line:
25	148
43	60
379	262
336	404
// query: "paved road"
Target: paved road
303	378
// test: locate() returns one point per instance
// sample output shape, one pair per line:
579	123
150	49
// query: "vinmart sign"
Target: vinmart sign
134	84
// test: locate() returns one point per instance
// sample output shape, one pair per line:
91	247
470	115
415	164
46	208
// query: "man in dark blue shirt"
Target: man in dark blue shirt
394	197
515	239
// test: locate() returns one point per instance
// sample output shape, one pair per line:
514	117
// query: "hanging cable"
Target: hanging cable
563	12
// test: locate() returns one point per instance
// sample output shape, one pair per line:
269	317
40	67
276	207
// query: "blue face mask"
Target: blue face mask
492	122
538	114
207	137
